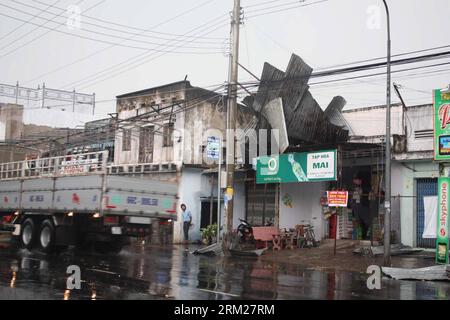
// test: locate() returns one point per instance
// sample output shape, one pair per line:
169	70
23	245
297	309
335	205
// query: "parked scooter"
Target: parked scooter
245	231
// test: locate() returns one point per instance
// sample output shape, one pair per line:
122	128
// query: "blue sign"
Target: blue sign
213	148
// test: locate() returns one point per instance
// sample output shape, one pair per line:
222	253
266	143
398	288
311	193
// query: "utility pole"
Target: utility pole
387	199
231	113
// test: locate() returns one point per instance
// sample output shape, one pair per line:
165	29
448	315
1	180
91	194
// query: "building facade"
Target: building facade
414	172
161	133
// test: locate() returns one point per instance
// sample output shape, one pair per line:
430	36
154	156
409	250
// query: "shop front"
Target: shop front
294	183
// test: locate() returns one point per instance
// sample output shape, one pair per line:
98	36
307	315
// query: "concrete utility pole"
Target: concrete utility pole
387	200
231	113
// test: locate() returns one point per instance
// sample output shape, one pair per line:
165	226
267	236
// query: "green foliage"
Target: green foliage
209	232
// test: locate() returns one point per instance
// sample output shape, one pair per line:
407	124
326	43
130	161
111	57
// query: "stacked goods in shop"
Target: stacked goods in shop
345	225
377	229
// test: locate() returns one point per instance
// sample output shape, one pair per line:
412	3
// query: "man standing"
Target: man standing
187	220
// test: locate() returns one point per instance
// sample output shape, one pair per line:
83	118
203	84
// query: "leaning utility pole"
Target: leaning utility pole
387	199
231	113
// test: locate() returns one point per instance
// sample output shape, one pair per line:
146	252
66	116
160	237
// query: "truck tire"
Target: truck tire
28	234
46	237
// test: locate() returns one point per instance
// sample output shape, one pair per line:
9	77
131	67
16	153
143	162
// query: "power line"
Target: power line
360	68
26	22
142	56
91	39
136	28
109	47
28	33
285	9
190	105
113	35
142	33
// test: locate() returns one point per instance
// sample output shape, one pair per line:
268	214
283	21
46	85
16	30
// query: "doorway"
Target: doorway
208	217
424	187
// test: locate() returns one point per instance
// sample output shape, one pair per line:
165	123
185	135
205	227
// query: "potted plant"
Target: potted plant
209	234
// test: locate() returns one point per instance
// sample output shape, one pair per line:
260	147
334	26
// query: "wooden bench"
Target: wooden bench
266	234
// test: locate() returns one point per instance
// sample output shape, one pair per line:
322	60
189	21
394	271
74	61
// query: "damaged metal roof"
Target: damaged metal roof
305	120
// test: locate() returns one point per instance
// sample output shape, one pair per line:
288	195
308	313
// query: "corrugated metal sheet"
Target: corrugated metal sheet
334	113
305	119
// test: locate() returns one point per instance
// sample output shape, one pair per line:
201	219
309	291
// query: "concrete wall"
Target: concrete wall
369	122
305	206
420	118
192	187
190	191
11	121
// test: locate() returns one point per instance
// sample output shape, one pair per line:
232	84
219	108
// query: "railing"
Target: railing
142	168
68	165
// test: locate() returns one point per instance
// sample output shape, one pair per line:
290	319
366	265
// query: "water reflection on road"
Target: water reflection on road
174	273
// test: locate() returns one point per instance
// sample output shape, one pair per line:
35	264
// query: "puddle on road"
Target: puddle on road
174	273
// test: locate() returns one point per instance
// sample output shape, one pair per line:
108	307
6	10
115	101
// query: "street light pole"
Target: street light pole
387	200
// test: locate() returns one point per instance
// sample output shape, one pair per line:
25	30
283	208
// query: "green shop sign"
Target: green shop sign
442	223
441	125
297	167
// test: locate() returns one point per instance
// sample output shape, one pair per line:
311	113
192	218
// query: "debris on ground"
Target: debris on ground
396	249
247	253
214	249
429	273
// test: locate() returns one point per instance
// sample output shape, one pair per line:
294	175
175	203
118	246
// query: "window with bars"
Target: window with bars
168	135
126	140
260	203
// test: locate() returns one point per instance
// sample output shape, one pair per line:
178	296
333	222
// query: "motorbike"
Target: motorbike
245	231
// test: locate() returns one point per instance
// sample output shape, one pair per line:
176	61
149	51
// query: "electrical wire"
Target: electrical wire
285	9
135	28
117	37
129	64
38	26
91	39
126	122
26	22
109	47
142	33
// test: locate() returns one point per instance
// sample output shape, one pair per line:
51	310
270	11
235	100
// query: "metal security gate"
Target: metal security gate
425	187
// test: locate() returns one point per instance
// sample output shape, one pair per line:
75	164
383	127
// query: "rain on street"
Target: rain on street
172	272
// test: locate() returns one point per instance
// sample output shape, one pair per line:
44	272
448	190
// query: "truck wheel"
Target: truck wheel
28	234
47	236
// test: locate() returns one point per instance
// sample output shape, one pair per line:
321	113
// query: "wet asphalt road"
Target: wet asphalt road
173	273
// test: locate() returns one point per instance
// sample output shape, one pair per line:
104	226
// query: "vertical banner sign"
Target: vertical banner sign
442	223
441	125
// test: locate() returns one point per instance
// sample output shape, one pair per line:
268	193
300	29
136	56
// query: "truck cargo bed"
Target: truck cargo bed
88	193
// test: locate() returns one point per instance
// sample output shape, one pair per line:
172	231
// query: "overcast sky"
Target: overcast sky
326	33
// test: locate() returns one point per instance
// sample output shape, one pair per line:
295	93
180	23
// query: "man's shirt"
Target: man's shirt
187	216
